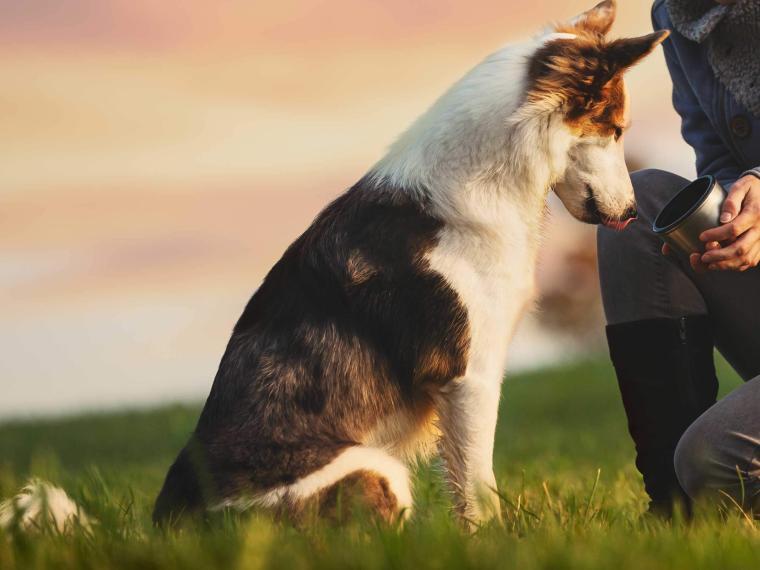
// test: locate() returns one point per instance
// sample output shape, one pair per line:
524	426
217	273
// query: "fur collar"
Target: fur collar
731	36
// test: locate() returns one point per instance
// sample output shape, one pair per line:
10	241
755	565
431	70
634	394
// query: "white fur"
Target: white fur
493	275
481	150
464	134
41	503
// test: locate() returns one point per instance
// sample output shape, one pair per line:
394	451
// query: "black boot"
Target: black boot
667	379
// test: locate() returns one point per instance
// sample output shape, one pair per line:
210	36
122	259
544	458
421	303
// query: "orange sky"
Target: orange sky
149	24
174	93
157	157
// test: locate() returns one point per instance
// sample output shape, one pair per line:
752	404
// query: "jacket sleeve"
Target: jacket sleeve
752	171
713	157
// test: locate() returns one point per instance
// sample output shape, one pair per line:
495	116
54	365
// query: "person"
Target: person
664	313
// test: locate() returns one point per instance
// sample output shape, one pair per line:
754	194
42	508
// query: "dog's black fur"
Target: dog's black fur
348	327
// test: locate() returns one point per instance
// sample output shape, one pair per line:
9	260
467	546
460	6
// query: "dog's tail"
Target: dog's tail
40	505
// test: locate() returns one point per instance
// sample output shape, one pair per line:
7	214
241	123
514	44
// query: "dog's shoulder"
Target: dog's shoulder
372	235
390	225
352	313
361	271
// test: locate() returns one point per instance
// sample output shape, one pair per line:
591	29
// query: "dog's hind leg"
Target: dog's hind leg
360	477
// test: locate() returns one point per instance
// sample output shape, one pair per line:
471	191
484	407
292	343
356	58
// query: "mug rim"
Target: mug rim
660	230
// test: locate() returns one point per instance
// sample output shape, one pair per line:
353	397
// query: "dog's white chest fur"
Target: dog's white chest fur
493	274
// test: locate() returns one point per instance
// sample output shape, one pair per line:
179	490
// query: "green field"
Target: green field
571	497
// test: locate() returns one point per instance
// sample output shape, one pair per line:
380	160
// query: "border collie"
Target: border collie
381	334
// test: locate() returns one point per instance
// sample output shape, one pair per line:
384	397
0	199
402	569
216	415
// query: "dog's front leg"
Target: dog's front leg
468	413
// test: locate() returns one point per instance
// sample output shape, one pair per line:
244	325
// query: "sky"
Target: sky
157	157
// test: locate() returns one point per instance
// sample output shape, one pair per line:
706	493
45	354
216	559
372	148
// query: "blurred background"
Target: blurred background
157	157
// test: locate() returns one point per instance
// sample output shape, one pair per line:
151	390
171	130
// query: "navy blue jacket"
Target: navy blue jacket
724	135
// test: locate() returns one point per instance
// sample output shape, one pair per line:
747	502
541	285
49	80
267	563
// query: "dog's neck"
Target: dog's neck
480	154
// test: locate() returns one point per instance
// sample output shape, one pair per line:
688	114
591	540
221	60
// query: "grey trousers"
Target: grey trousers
720	452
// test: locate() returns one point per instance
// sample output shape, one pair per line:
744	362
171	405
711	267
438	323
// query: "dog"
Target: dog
381	335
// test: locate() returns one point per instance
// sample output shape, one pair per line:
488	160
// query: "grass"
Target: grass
571	497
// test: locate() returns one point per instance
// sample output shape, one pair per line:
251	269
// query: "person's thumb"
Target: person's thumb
733	204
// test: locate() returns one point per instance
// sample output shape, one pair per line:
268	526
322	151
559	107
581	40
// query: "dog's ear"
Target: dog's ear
624	53
597	20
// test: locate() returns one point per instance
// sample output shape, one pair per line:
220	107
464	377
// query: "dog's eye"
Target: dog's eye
618	133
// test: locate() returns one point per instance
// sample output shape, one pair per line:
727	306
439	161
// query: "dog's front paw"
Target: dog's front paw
487	502
482	506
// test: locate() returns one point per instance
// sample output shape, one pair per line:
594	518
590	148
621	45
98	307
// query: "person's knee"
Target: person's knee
614	246
709	462
653	188
692	464
627	247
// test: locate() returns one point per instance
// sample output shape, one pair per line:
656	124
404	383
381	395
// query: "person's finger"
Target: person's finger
731	231
733	203
748	259
739	249
696	263
753	259
730	265
710	245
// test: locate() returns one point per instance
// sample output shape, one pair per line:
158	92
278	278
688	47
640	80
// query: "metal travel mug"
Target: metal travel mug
693	210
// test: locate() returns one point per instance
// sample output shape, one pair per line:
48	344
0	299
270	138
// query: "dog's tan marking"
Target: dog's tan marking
585	74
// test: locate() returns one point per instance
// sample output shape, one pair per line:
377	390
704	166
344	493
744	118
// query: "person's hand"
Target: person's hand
695	259
734	245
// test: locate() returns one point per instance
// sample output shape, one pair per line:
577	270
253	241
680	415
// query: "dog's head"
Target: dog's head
578	73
